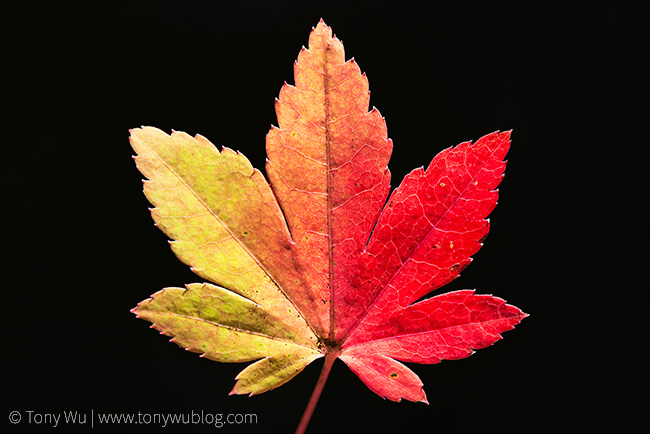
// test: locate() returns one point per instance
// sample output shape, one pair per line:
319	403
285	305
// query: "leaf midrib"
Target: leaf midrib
236	329
420	333
329	186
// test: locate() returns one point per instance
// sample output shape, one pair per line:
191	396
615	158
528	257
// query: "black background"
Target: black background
568	241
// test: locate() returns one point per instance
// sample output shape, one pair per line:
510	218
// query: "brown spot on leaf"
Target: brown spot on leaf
393	375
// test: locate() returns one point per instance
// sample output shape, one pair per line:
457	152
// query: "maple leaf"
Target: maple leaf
319	261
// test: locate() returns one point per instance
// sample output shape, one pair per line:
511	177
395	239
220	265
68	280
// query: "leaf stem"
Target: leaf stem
330	357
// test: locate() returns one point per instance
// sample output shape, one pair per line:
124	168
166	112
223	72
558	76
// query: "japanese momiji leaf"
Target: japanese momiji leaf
320	261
